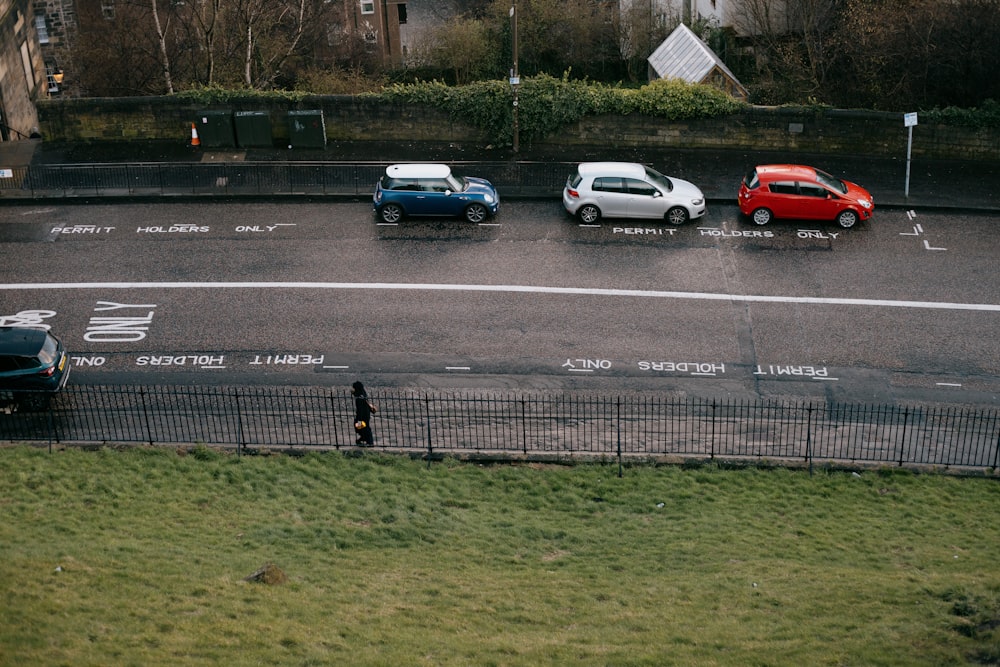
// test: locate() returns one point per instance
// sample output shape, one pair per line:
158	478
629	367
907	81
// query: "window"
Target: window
637	187
42	29
784	188
434	185
50	75
608	185
402	13
367	6
29	71
108	9
810	190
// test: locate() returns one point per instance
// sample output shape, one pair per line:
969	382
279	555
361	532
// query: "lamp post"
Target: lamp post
515	79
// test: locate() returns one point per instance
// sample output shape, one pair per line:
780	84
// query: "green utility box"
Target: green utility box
215	129
253	129
306	129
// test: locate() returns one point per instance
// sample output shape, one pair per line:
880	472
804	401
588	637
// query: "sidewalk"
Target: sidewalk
942	184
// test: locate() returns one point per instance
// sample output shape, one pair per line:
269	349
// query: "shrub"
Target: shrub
546	103
987	115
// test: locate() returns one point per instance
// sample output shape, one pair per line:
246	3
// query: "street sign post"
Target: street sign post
909	120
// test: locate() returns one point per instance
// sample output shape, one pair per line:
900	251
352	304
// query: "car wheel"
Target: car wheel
391	213
761	216
847	219
589	214
33	402
678	215
475	213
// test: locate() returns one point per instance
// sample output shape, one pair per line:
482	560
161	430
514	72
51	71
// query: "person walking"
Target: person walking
363	411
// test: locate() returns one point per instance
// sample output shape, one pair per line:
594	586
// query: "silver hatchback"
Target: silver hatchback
630	190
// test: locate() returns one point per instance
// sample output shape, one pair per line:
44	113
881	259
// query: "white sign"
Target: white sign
909	119
6	173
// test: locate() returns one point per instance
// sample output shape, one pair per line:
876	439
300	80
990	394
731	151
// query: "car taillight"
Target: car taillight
47	372
572	193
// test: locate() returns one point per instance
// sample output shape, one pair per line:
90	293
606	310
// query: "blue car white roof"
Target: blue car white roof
418	171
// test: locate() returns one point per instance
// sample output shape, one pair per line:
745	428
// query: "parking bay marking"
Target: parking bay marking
525	289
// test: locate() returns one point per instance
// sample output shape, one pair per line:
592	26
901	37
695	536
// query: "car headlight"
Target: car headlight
697	202
865	203
488	199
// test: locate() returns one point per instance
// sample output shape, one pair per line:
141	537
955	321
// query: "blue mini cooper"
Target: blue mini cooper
432	190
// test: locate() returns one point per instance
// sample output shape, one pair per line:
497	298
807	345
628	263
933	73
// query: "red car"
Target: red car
804	193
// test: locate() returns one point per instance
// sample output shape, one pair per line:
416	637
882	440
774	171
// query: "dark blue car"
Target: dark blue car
33	366
432	190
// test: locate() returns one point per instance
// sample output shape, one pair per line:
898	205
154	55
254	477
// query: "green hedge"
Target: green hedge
546	103
988	115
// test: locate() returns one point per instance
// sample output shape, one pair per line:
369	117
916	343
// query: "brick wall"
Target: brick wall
350	118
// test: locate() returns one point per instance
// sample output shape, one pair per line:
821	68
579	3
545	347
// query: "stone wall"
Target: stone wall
350	118
19	89
765	128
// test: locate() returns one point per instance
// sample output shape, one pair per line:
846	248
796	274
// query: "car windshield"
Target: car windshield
659	179
831	182
751	180
456	183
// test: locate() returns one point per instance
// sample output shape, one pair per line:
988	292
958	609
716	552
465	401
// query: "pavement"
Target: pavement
965	185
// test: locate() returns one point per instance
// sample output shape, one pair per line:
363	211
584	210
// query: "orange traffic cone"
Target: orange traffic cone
195	141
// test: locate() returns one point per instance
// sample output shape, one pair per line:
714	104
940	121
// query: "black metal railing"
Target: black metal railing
232	179
515	424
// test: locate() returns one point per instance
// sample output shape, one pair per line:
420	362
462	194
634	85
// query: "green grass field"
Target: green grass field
138	557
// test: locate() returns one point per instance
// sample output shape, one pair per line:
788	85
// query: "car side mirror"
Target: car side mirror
447	193
657	193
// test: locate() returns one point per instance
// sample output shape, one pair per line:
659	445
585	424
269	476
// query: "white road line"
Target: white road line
525	289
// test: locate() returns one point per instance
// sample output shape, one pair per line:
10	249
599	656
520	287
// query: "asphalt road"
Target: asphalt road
905	307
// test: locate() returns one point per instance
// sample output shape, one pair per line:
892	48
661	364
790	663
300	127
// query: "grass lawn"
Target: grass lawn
138	557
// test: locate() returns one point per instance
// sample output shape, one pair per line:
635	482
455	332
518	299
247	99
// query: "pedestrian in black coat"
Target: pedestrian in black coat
363	411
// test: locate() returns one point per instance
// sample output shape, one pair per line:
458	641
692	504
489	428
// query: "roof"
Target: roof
785	171
682	55
621	169
21	341
418	171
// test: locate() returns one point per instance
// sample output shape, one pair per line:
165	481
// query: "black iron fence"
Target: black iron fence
521	424
159	179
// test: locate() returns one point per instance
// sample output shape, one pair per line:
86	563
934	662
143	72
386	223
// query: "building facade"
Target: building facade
23	78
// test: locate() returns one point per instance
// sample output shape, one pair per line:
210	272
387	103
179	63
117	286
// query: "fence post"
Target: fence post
619	429
902	447
712	439
145	415
809	457
239	424
524	426
427	414
996	452
51	426
333	420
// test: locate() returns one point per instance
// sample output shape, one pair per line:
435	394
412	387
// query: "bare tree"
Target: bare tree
641	26
162	41
791	43
460	45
